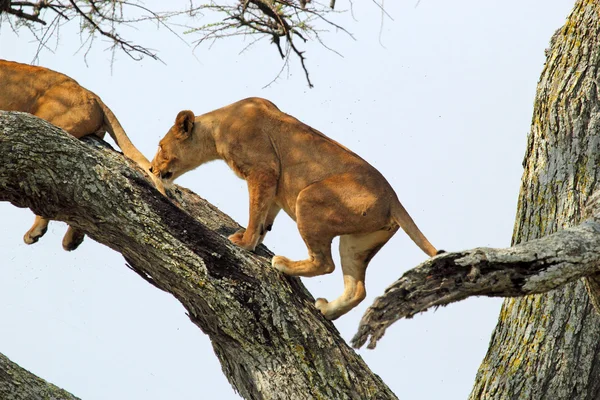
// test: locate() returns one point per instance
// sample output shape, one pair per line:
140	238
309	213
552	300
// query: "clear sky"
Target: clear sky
441	107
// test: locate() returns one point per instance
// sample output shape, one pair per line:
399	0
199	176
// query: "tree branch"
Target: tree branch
281	21
130	49
270	339
17	383
24	15
532	267
93	18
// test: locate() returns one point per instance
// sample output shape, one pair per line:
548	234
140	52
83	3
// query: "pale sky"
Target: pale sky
441	107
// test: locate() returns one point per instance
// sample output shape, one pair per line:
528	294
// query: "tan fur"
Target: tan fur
61	101
327	189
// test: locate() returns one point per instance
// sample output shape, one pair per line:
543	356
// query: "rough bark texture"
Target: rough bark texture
547	346
271	341
537	266
17	383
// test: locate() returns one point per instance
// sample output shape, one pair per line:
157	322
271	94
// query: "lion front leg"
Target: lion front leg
37	230
270	220
262	186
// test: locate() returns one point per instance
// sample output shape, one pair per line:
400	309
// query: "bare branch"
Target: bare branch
95	15
129	48
24	15
533	267
283	22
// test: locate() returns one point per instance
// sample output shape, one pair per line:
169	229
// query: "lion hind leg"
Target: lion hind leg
319	261
72	239
356	251
317	230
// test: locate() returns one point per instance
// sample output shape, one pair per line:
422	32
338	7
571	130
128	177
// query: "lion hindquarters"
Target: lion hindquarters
356	251
71	108
339	206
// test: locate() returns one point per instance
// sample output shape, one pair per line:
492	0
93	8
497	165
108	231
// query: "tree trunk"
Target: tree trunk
547	346
17	383
271	341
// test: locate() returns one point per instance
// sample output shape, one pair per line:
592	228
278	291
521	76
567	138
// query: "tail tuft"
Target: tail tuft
440	252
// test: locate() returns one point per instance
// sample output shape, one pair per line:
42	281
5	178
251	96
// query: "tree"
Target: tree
284	22
545	345
559	177
548	343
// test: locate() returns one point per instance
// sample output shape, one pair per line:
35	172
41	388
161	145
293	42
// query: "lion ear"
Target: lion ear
184	123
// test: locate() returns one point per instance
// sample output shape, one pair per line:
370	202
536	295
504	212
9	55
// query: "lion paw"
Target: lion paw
32	236
72	239
329	310
28	239
238	239
238	235
280	263
323	305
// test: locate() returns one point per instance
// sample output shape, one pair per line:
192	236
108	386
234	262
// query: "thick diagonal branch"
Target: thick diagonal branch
271	341
17	383
533	267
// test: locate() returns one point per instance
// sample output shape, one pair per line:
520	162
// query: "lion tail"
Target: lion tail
402	218
116	131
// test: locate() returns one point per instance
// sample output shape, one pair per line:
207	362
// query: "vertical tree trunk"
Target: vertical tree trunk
548	346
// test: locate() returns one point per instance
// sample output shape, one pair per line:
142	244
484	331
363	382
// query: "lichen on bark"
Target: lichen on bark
546	346
17	383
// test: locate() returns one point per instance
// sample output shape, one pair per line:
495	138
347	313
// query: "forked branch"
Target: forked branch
102	17
533	267
284	22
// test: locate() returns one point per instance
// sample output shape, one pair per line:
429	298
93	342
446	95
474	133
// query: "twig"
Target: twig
129	48
24	15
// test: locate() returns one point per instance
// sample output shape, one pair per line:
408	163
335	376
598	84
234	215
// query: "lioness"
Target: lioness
61	101
326	188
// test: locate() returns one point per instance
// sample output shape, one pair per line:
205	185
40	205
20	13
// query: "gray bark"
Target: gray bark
546	346
17	383
271	341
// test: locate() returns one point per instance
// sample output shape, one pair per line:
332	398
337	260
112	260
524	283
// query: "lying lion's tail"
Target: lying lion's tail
115	130
400	215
